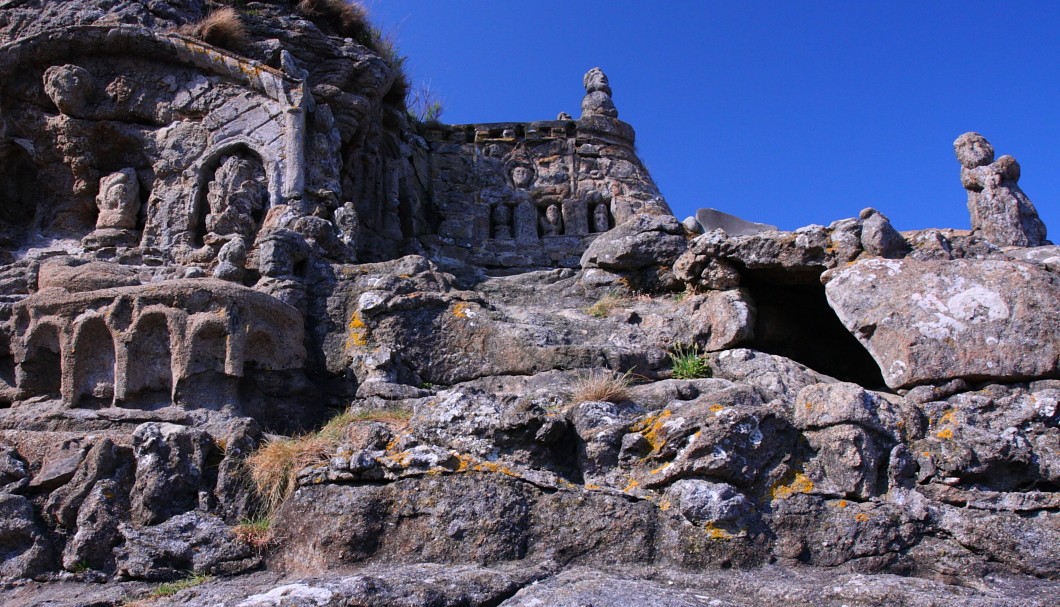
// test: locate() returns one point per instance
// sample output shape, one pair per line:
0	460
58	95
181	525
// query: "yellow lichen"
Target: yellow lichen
460	310
800	484
861	517
716	533
716	408
651	428
946	433
633	484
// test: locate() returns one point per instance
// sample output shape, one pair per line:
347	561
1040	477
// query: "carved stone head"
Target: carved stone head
973	150
522	176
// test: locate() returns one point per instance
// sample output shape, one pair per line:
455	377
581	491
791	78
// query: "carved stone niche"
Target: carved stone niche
89	103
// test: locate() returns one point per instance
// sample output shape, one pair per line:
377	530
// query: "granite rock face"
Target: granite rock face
927	322
550	390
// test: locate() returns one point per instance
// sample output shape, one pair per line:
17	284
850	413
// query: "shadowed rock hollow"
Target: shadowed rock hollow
543	387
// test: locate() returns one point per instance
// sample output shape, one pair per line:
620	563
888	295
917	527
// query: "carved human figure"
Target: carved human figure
502	221
552	221
597	101
601	218
524	219
237	198
118	201
1000	211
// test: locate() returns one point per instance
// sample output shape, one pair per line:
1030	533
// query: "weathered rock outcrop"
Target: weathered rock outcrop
549	390
928	322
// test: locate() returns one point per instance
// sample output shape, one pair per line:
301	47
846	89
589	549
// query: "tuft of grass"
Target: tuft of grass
604	306
688	363
347	19
601	385
255	532
223	27
274	466
424	105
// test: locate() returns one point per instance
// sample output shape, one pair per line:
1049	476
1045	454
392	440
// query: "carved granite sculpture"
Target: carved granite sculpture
206	253
1000	211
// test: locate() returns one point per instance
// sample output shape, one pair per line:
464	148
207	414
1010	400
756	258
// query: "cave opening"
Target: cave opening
794	320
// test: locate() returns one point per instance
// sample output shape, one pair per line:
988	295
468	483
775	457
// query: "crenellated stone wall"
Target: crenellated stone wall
525	194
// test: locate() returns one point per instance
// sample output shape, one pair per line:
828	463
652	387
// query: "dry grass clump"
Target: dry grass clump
605	305
601	385
345	18
222	28
274	467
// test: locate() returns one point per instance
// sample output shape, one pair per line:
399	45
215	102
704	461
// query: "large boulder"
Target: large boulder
928	322
643	241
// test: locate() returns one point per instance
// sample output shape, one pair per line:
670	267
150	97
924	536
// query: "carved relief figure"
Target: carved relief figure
597	101
552	221
524	221
237	198
601	218
999	209
118	201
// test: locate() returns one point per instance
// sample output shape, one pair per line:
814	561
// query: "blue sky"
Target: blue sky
788	113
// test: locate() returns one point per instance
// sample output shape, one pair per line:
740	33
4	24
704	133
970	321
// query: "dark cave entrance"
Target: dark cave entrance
794	320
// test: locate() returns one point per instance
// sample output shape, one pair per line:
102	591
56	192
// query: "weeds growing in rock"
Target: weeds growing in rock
170	588
688	363
604	306
222	28
601	385
255	532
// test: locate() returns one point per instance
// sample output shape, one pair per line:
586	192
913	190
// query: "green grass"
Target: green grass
171	588
688	363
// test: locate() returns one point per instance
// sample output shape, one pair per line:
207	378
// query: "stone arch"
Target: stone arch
204	172
93	364
40	371
18	194
206	381
149	373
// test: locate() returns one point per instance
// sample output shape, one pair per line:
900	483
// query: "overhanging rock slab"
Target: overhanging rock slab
927	321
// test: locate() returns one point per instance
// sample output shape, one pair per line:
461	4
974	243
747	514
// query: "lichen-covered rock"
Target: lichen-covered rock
170	465
926	322
644	241
192	542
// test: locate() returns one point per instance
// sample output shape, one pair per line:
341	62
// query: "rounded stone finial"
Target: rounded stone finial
595	80
973	150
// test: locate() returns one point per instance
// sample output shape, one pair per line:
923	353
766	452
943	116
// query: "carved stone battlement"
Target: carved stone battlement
514	194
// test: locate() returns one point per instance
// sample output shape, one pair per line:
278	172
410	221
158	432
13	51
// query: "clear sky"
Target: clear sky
788	113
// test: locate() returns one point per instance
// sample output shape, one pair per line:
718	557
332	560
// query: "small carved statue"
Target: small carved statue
999	209
552	221
601	218
118	201
597	101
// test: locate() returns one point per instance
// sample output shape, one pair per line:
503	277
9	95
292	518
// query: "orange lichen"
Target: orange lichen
460	310
716	533
633	484
716	408
861	517
358	332
945	433
799	484
651	428
842	504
